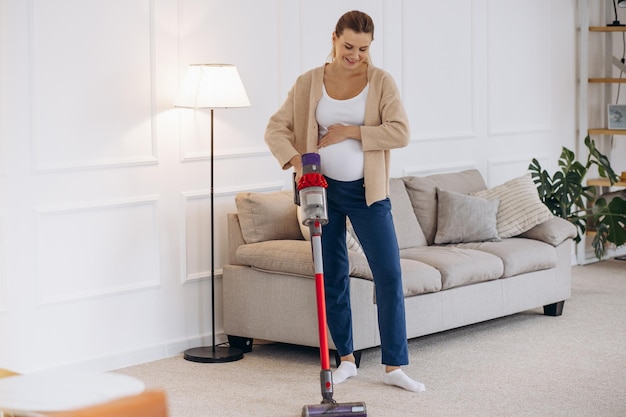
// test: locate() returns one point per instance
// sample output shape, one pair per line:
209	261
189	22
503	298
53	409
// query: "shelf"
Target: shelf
607	28
604	182
607	80
603	131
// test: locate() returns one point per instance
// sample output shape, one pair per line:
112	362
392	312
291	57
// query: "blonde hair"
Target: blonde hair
357	21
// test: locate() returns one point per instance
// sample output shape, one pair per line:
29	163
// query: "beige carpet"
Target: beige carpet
523	365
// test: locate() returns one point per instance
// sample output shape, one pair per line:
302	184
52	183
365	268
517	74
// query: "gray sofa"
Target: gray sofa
468	254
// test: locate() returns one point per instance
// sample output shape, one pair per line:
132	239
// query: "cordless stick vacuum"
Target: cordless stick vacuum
311	197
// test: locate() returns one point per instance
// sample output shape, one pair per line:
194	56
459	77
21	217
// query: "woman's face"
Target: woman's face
351	48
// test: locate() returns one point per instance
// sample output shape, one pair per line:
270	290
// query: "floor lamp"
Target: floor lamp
212	86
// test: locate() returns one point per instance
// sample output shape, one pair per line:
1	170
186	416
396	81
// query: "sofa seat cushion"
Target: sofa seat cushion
457	266
292	257
419	278
518	255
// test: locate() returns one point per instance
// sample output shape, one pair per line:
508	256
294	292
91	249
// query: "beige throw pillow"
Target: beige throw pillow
462	218
267	216
520	207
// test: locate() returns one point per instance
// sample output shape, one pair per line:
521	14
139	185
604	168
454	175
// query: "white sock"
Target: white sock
400	379
345	370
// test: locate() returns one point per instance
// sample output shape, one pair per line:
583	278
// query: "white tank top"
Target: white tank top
342	161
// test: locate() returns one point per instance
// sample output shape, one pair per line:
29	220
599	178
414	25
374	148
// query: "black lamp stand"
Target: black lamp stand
616	22
213	353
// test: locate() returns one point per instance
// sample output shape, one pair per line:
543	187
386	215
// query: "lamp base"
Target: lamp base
213	354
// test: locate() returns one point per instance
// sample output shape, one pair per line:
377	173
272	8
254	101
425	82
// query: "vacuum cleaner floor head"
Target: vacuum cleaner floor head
355	409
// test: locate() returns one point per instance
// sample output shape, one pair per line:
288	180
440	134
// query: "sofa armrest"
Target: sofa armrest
235	237
554	231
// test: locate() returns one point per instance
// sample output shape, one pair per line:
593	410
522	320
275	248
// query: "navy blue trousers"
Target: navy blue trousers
374	228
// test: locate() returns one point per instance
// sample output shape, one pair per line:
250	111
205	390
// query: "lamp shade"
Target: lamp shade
212	86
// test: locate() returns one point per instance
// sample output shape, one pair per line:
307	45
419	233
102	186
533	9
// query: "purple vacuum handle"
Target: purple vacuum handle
311	162
311	159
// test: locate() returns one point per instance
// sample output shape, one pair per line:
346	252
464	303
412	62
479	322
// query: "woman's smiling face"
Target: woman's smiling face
351	48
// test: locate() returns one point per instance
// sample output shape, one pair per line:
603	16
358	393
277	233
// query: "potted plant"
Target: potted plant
566	196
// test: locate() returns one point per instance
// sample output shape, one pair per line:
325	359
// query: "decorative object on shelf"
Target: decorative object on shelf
212	86
617	116
566	196
616	22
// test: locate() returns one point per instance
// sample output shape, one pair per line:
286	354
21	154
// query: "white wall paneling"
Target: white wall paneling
3	261
196	136
2	154
242	33
519	101
97	249
195	241
438	70
91	77
440	168
500	170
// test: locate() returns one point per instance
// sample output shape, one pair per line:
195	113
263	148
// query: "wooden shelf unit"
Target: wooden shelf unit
607	28
604	131
608	80
604	182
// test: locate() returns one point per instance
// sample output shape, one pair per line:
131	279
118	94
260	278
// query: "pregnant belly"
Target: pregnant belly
343	161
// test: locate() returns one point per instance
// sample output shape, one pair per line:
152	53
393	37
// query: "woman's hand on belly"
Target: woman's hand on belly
339	133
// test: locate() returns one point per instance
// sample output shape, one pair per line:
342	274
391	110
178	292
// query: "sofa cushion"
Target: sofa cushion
457	266
408	230
417	277
518	255
423	194
553	231
267	216
292	257
520	207
464	218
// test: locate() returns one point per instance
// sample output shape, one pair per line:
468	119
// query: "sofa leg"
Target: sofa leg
554	310
243	343
357	357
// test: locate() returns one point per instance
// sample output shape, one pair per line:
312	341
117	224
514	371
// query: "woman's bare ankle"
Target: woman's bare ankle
348	358
389	368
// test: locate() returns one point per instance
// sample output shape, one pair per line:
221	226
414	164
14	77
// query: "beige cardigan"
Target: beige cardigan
293	129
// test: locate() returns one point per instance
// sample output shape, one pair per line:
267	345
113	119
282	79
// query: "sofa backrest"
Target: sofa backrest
272	216
422	192
408	230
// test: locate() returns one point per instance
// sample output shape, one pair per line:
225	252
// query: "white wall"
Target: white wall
104	209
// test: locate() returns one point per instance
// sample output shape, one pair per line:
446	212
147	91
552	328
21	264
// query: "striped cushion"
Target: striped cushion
520	207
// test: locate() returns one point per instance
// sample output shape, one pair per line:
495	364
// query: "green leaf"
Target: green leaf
613	215
600	241
598	158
